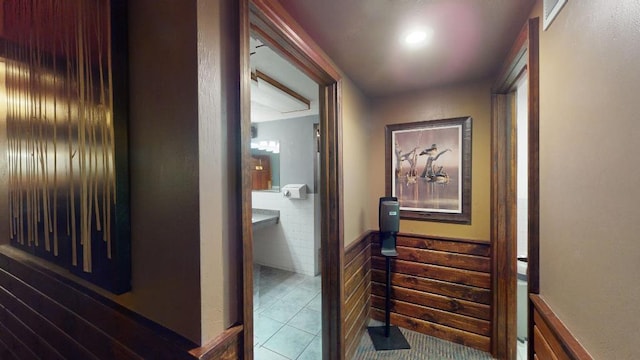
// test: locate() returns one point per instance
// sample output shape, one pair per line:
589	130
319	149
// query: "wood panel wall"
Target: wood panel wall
227	346
46	316
551	339
357	290
439	287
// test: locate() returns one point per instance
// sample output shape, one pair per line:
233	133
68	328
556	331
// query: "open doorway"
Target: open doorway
515	198
285	197
521	95
269	23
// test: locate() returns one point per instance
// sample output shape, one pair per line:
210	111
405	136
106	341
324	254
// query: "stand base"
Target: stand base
395	341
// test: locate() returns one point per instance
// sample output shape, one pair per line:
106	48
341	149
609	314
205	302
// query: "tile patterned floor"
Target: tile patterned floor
287	317
287	325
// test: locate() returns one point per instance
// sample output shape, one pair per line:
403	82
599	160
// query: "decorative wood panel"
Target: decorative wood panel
357	289
66	130
439	287
551	339
46	316
227	346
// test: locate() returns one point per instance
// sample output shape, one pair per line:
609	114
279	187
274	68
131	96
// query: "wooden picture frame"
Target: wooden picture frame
428	168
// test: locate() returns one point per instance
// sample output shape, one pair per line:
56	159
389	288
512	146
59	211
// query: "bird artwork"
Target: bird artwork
430	172
428	163
410	157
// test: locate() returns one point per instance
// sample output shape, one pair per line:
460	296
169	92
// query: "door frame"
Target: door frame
270	22
523	57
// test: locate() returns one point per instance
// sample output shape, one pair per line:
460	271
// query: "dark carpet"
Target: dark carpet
422	347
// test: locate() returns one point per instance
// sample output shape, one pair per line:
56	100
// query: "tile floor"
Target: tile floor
287	323
287	315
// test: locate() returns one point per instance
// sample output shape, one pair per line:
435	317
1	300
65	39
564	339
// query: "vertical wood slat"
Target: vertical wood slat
357	289
434	291
551	336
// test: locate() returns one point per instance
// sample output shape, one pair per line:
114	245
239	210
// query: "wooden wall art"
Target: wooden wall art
65	65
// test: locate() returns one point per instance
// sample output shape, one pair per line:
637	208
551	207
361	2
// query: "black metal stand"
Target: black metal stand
388	337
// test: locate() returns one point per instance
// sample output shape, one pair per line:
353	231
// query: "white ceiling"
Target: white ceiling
471	39
275	66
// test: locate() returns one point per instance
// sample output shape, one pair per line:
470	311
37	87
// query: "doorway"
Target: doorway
521	63
287	301
268	22
520	96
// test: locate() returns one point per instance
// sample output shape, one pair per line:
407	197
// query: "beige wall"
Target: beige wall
355	150
589	196
185	241
220	186
163	142
473	100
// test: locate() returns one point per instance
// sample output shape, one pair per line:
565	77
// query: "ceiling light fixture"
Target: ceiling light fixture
418	37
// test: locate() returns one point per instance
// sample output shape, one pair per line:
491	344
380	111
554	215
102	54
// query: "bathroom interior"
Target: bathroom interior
286	208
521	96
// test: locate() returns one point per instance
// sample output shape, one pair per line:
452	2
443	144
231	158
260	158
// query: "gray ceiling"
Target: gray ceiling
470	41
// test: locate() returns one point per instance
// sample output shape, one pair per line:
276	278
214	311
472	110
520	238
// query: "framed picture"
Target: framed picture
428	168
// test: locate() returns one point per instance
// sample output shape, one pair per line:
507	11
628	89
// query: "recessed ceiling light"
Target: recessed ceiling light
418	37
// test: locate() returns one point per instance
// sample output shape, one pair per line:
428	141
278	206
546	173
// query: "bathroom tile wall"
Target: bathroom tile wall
292	244
523	222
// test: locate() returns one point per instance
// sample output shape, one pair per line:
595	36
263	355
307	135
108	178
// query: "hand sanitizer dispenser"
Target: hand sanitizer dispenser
389	223
388	337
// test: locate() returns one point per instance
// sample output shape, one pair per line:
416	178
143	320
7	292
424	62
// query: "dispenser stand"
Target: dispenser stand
388	337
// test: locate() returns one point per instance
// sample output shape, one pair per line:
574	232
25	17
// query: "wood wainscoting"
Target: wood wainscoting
46	316
357	292
551	339
439	287
227	346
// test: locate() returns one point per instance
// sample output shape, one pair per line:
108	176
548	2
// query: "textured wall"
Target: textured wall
164	164
589	130
219	187
356	145
454	101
